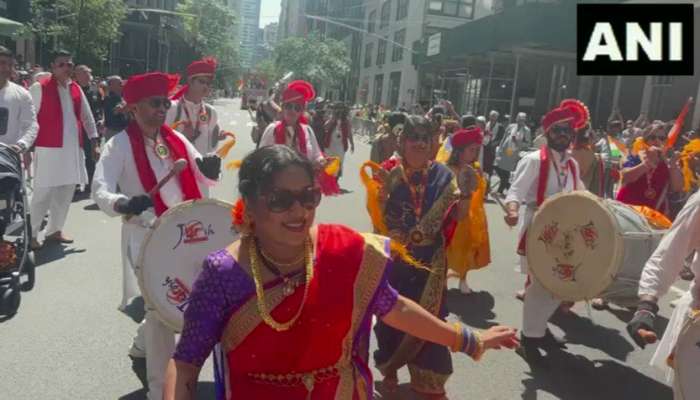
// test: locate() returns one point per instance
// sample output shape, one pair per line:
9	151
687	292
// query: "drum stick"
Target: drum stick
648	336
178	166
499	201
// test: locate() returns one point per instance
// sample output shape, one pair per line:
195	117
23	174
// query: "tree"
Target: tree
211	29
85	27
323	62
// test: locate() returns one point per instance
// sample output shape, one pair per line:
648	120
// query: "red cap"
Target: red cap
465	137
570	111
298	92
151	84
205	66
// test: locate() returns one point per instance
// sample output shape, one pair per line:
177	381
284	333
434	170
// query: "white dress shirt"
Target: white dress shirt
17	106
58	166
313	151
207	141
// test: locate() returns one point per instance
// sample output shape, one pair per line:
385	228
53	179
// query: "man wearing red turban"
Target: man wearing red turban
539	175
190	114
293	130
130	166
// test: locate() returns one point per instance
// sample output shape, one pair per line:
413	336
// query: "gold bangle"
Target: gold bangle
459	338
479	347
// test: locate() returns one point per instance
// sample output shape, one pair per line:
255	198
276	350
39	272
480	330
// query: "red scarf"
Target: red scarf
542	187
281	135
50	116
345	132
188	183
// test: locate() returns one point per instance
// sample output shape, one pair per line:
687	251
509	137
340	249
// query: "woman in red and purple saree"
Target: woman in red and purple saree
291	303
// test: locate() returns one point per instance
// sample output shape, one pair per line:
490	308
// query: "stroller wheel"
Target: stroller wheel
9	300
30	269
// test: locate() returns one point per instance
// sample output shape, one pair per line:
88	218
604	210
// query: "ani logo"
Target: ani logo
193	232
178	294
635	39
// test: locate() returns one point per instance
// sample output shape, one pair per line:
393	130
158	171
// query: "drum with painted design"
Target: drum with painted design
686	359
173	253
580	246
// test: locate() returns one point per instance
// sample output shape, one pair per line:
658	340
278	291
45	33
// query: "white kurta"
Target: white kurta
313	151
663	267
22	126
335	147
117	169
63	165
207	141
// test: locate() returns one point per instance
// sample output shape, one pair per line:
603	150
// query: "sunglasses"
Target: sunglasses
561	130
206	82
68	64
281	200
157	102
293	106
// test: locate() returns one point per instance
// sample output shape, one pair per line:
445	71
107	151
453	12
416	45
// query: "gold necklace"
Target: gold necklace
260	291
281	264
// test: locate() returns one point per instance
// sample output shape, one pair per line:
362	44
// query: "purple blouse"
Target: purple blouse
220	289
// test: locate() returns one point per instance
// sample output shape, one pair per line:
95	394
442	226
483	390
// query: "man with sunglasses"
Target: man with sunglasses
132	163
190	114
539	175
63	113
293	129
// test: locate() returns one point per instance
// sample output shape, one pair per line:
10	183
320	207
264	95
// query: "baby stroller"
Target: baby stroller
16	260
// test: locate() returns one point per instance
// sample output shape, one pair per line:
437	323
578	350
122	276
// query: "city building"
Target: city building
292	22
248	14
387	74
269	36
523	58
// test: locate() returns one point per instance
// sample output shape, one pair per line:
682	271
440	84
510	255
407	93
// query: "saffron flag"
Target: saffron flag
676	129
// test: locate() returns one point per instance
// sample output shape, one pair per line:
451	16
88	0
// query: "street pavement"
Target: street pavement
68	341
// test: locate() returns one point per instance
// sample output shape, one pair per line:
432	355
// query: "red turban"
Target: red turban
465	137
298	92
570	111
205	66
151	84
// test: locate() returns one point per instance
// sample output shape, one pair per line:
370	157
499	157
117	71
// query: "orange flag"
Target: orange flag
676	130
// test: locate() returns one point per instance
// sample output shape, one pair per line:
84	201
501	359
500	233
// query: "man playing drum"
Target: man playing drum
137	161
539	175
659	273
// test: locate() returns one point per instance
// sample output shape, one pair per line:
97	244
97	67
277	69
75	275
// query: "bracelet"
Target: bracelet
459	337
480	349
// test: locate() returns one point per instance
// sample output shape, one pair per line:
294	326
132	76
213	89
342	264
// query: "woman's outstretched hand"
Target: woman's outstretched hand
500	336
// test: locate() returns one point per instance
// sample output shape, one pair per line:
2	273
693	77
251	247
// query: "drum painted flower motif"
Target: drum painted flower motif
589	234
565	272
549	233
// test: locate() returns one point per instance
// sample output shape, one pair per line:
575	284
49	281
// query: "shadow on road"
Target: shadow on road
573	377
475	309
136	310
92	207
581	330
205	390
54	251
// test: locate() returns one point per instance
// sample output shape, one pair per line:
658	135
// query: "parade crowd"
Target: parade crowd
288	308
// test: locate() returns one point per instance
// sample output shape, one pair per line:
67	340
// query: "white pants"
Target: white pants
152	336
158	341
55	199
538	306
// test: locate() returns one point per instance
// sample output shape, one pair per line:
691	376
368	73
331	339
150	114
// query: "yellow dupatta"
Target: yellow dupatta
689	177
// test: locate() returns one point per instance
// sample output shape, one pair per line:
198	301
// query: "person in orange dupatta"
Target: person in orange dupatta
291	303
471	248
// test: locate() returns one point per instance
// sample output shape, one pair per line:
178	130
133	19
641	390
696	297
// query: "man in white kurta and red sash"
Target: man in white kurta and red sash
132	163
539	175
293	130
63	114
189	114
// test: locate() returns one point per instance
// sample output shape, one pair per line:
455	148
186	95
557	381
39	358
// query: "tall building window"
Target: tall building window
394	86
381	52
386	14
372	20
401	9
378	83
452	8
397	51
369	47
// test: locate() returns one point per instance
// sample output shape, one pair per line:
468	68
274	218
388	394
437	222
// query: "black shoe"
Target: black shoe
549	341
138	365
529	350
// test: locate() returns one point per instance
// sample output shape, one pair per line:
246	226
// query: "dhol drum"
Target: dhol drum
173	252
686	358
580	246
